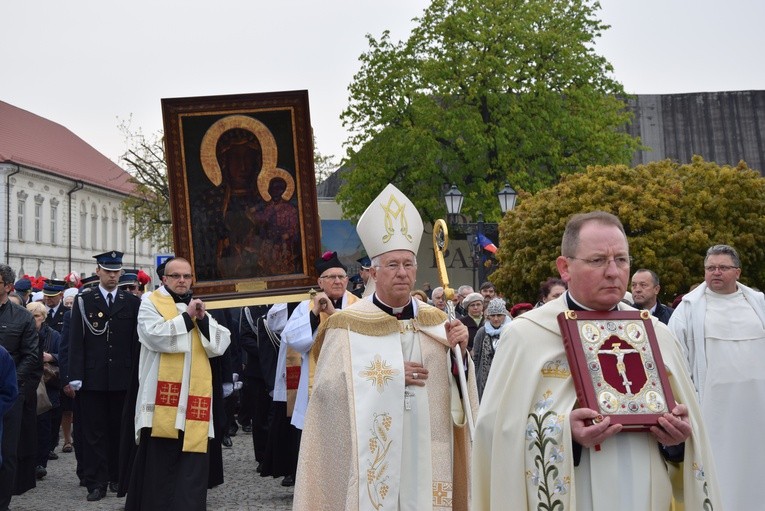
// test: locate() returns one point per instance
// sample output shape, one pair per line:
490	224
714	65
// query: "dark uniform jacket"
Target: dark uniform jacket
101	342
663	313
18	335
56	321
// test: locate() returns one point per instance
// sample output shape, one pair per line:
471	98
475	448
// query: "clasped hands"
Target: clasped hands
322	303
196	309
673	429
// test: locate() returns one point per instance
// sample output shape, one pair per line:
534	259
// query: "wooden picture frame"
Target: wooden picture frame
616	365
243	192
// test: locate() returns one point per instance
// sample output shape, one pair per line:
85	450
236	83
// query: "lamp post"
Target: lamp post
454	199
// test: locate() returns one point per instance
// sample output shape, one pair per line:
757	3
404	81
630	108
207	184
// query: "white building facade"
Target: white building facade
53	225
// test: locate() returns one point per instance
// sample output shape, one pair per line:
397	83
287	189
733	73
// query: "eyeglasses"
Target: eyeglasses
334	277
719	267
176	276
129	288
600	262
394	267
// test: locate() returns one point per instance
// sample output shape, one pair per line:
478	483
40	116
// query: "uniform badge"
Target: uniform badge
100	314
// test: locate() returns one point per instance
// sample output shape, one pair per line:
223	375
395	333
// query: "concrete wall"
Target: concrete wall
724	127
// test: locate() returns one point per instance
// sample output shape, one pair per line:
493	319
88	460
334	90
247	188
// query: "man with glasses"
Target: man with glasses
721	324
178	399
300	331
385	427
129	282
102	338
536	448
18	335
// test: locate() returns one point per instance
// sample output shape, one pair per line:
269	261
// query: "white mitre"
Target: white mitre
391	222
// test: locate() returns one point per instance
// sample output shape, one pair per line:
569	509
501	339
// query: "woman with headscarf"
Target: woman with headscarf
473	318
487	339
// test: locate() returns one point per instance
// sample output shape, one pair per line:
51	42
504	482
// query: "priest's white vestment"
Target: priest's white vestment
369	442
522	454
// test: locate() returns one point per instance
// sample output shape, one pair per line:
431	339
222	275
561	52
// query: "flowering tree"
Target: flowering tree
671	213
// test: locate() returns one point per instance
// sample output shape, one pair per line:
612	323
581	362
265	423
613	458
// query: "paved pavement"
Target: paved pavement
243	488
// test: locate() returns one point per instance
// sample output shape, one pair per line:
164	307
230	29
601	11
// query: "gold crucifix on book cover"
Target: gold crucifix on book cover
616	365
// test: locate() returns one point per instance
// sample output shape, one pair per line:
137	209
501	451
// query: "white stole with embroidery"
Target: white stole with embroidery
378	389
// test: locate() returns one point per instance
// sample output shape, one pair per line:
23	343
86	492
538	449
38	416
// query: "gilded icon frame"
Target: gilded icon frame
632	387
243	192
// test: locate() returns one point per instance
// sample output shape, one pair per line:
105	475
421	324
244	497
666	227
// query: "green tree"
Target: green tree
483	92
149	205
671	213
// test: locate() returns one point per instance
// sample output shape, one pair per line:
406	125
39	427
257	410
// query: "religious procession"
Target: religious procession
386	396
245	323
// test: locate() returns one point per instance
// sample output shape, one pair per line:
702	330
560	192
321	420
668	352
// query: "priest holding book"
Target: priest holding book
536	448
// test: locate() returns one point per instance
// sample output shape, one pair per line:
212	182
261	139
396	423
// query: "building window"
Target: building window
93	227
53	220
124	233
115	226
20	213
83	224
104	229
38	218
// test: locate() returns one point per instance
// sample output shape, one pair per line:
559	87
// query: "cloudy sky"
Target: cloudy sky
89	64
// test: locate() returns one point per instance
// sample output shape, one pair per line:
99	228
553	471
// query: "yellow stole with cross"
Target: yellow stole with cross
169	381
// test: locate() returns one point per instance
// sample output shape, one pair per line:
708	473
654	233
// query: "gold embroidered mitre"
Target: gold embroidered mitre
391	222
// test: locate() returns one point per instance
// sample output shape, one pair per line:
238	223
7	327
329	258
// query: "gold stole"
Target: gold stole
169	380
313	355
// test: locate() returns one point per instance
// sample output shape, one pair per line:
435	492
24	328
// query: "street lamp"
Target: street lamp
454	199
507	198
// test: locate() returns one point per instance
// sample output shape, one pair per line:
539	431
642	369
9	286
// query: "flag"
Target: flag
486	243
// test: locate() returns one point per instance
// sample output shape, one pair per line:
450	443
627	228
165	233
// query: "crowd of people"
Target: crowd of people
435	398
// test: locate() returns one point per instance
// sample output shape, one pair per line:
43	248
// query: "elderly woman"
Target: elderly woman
486	339
473	318
69	295
49	341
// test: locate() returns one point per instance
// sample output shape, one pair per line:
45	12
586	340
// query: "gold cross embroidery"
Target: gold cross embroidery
379	372
199	408
168	393
442	493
